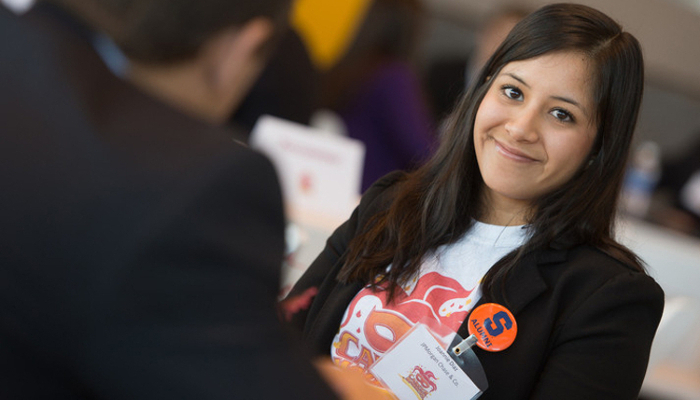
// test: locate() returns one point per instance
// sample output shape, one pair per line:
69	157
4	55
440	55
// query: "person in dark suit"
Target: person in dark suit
140	244
516	208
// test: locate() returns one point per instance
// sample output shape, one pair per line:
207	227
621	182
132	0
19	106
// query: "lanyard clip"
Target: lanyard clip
464	345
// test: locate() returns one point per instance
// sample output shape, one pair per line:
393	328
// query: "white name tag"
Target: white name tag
417	367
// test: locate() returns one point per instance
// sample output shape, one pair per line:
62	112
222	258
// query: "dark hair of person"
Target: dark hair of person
168	31
436	204
390	31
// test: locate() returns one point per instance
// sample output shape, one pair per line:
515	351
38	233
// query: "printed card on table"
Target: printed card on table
319	172
419	368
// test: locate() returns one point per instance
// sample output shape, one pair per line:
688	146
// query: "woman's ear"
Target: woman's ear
591	159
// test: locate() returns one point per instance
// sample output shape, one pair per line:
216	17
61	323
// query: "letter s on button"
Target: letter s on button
498	328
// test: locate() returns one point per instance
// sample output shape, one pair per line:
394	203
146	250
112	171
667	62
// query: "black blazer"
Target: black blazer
139	248
585	321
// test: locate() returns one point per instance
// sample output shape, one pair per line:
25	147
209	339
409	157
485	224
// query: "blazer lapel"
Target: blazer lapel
329	315
523	284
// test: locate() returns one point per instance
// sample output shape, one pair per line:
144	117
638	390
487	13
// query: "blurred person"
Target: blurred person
491	35
680	184
141	246
450	78
516	208
377	92
290	85
445	80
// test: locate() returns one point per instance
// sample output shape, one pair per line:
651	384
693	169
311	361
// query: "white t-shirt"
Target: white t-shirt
441	297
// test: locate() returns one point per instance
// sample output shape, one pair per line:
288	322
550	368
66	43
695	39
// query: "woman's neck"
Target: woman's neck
502	211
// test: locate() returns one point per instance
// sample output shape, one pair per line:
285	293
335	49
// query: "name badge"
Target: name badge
417	367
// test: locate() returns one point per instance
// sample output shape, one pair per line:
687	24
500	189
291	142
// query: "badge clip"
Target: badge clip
464	345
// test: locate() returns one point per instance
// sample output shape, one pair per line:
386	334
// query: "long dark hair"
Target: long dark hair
436	204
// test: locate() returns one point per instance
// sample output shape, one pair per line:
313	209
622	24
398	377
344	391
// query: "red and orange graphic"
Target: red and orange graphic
371	327
421	382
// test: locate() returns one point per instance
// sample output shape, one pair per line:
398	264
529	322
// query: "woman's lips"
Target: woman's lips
513	153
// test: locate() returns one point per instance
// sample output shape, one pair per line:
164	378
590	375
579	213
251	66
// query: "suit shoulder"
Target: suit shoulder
585	268
592	257
598	268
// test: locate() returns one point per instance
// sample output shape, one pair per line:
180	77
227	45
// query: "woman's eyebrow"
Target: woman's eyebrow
517	78
567	100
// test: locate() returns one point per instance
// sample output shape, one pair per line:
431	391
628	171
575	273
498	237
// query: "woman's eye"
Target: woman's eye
512	93
562	115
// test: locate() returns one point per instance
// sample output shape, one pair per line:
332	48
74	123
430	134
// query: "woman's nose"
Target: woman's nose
522	125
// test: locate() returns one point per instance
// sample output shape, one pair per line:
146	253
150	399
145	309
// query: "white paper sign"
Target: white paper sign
418	367
319	172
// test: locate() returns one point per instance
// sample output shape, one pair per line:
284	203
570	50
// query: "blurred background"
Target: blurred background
385	73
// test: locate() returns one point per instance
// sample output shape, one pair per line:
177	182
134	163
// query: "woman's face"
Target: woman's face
534	128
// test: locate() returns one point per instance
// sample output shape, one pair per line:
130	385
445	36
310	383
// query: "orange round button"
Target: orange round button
494	327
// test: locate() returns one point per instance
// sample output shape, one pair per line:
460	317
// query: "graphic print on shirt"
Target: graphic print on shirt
370	326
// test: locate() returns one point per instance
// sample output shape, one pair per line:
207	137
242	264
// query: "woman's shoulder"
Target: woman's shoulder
380	195
386	181
593	257
592	268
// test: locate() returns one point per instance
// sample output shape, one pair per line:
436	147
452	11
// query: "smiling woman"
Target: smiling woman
517	208
532	132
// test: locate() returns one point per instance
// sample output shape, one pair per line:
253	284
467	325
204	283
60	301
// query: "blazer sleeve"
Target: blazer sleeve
603	346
